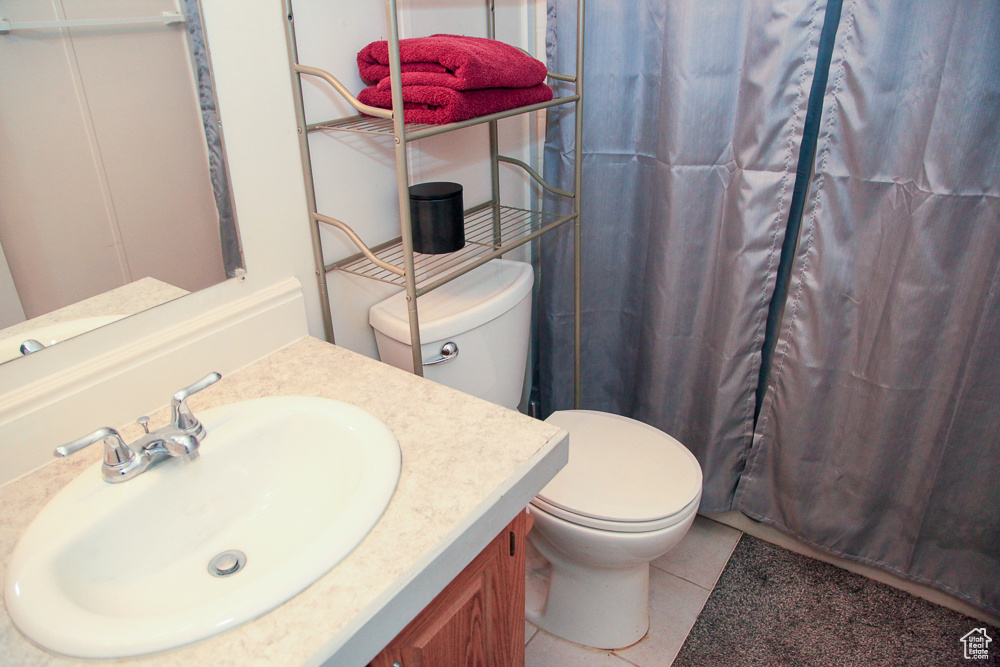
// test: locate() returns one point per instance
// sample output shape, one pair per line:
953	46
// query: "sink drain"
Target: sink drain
227	563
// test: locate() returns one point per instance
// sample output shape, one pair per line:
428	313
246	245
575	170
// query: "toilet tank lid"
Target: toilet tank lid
465	303
621	469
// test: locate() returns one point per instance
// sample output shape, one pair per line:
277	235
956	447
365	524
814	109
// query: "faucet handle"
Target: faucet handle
116	452
181	416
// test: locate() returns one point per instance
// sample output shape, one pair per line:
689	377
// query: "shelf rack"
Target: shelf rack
491	228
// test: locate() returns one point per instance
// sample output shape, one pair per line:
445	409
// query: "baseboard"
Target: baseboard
767	533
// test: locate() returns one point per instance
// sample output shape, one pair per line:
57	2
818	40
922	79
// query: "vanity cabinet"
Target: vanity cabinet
478	619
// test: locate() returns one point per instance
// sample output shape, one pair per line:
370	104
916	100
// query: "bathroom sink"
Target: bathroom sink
10	346
112	570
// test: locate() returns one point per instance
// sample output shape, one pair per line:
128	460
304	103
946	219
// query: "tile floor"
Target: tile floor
680	583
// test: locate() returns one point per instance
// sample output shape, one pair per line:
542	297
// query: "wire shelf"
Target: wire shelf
480	240
384	126
364	125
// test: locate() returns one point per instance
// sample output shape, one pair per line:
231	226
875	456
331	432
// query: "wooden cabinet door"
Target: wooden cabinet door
478	619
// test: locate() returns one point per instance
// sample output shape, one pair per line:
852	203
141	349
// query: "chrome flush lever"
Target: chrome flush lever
448	352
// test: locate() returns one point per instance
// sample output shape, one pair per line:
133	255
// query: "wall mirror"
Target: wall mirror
114	194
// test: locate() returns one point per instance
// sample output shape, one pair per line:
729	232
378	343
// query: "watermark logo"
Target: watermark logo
977	644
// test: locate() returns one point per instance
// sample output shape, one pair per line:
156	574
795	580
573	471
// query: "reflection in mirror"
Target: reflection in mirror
84	316
113	170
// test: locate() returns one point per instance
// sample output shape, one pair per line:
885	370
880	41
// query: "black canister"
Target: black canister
437	218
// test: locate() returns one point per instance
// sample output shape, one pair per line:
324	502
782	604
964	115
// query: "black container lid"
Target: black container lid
435	190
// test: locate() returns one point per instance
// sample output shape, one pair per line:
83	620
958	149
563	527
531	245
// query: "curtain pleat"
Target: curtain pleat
879	437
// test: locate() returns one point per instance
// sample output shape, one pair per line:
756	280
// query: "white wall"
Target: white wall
11	312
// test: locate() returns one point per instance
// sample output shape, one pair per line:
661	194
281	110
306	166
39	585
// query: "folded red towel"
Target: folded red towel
438	105
453	61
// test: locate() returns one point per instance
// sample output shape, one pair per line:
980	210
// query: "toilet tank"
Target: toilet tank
486	313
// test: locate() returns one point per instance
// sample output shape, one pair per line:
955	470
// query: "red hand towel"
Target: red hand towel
438	105
453	61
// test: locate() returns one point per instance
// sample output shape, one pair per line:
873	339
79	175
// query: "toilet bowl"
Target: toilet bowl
627	496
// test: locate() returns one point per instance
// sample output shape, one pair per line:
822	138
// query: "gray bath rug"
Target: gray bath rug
775	607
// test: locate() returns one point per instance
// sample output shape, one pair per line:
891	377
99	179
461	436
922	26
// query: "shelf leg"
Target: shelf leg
577	208
317	242
494	142
495	183
403	185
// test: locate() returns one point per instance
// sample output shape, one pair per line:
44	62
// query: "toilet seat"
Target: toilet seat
623	475
616	526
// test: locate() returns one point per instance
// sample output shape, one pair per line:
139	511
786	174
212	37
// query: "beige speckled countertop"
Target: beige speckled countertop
468	468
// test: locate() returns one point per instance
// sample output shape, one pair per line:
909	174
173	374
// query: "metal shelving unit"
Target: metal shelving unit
491	228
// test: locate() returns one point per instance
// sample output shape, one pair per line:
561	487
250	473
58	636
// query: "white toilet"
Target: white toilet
629	492
627	496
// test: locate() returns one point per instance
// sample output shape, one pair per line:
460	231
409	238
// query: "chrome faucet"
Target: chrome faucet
181	439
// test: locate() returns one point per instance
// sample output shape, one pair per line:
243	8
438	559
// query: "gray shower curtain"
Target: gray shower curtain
218	171
693	120
879	435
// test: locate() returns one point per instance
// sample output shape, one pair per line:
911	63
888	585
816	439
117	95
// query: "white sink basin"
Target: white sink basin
10	346
112	570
